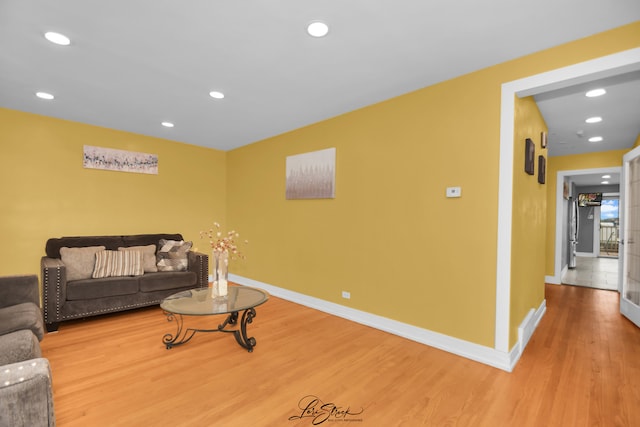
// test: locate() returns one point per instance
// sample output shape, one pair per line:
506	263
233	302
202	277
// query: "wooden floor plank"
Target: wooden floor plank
581	368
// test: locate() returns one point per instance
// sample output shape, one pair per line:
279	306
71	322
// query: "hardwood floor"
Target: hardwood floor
581	368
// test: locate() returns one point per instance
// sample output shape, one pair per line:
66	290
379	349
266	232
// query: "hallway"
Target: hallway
592	272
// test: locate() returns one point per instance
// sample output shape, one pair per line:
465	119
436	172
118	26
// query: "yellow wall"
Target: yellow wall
46	192
378	237
604	159
529	218
390	237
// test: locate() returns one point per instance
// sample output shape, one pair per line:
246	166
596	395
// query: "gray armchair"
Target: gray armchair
26	396
20	305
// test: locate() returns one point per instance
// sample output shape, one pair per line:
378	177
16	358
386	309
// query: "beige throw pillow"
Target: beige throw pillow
148	256
173	255
118	263
79	262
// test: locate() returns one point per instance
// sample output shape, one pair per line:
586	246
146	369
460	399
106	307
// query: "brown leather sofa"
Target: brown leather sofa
65	299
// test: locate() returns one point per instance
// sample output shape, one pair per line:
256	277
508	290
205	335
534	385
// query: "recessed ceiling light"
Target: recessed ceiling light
595	139
216	94
44	95
57	38
595	92
604	182
167	124
606	176
317	29
594	120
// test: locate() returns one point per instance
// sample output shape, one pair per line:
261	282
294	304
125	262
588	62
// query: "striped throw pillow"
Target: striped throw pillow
118	263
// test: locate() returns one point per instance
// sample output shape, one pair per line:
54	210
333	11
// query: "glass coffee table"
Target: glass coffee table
201	302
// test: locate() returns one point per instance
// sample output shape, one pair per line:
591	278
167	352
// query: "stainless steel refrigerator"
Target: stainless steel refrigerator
573	231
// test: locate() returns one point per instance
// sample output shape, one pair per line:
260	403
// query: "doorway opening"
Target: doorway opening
588	71
609	235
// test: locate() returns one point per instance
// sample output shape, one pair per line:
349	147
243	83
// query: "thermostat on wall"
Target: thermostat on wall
454	191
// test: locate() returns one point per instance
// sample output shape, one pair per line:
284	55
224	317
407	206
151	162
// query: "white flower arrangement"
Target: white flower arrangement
221	242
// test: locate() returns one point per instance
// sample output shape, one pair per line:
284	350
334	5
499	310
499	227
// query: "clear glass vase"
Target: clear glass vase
220	273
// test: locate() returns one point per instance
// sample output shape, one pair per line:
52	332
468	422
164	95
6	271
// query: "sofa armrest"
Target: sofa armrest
199	264
26	395
54	289
18	346
19	289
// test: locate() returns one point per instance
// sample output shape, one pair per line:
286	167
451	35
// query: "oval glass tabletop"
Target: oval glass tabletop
201	302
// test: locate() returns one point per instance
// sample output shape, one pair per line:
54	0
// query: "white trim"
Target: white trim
529	325
596	231
586	254
505	207
630	310
501	360
618	63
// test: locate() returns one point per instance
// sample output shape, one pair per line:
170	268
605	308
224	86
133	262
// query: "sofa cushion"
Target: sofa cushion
22	316
53	245
148	256
148	239
173	255
18	346
168	280
117	264
100	288
79	261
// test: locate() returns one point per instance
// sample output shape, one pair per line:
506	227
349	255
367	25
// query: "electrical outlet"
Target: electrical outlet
346	295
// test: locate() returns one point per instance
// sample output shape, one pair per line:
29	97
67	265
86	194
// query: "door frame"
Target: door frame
628	309
609	196
610	65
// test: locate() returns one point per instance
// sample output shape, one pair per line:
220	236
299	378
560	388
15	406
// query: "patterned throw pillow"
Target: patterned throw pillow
173	255
148	256
79	262
118	263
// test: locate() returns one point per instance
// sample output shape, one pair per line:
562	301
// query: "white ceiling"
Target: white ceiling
565	111
133	64
588	180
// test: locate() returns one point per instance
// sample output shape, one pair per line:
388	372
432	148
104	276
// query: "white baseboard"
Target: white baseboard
555	280
587	254
529	325
467	349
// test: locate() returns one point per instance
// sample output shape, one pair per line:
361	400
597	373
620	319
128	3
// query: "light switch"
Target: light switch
454	191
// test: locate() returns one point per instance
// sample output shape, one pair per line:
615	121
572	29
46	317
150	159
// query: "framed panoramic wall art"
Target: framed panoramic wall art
119	160
311	175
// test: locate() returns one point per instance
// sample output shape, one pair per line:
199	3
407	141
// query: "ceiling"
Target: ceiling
565	111
132	65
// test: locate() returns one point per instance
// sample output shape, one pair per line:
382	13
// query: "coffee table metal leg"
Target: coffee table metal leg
183	336
241	334
180	337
